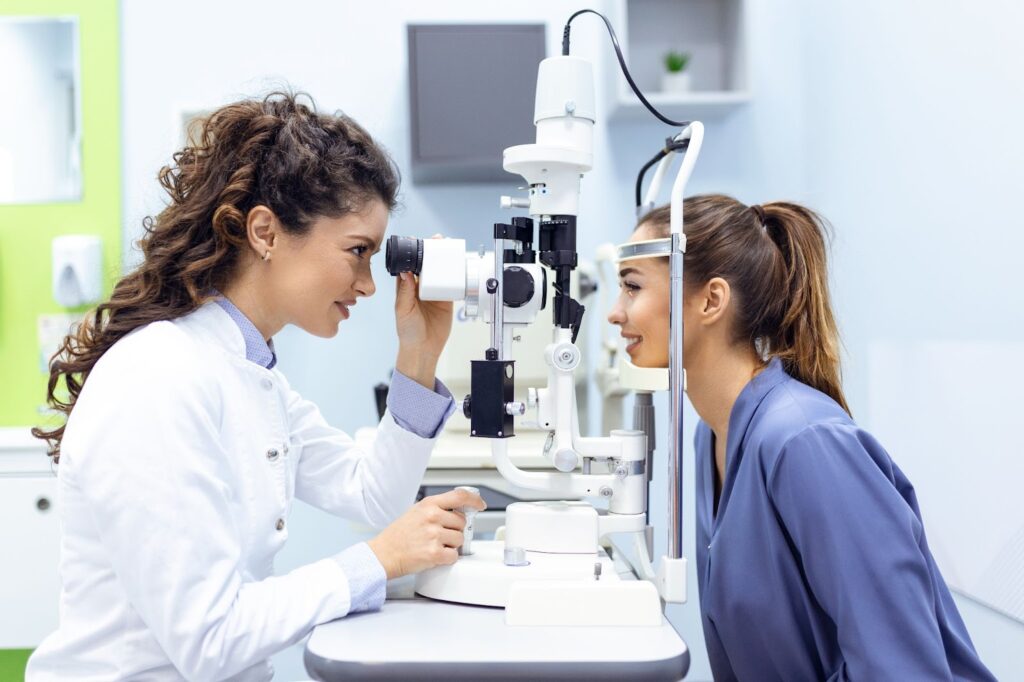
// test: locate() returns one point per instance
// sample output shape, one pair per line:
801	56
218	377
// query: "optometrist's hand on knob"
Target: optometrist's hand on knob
423	329
427	535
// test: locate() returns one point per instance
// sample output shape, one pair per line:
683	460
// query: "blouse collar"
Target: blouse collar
257	349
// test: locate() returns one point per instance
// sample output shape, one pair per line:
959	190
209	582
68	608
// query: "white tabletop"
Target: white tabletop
411	639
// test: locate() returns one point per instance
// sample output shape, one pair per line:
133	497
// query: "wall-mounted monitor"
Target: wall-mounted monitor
471	95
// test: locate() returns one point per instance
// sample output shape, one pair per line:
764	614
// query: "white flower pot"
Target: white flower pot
678	81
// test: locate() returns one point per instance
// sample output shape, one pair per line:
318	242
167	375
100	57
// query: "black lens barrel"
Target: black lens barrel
403	254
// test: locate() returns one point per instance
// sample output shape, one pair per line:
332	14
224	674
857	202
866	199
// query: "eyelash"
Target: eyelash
359	250
630	286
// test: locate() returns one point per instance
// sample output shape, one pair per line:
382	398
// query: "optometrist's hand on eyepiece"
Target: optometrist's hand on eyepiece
427	535
423	329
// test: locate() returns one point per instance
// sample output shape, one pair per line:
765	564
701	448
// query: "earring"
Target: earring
266	256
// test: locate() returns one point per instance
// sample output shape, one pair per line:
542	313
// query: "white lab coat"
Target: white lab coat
178	469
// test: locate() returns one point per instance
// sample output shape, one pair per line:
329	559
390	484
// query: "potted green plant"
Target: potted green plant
676	77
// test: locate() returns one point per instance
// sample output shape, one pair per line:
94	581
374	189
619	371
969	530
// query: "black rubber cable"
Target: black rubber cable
671	145
640	176
622	63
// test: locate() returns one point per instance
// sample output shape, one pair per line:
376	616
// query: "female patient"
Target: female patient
812	558
184	446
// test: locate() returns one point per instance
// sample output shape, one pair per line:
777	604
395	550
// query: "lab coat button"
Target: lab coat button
272	455
267	384
280	524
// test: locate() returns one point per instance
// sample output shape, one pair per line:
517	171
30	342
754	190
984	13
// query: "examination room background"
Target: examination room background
899	121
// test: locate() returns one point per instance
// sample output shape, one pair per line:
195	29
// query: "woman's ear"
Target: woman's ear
717	295
261	230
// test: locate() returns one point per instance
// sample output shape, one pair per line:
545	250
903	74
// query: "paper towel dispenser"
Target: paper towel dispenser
77	270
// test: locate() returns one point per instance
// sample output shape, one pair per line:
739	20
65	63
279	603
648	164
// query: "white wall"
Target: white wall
913	149
802	138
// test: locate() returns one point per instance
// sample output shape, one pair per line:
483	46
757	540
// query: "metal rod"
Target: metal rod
677	375
675	368
497	300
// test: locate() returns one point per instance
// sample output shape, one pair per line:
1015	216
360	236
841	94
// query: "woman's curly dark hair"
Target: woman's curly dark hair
276	152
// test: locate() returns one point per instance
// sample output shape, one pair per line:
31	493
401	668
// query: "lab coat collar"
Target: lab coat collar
213	324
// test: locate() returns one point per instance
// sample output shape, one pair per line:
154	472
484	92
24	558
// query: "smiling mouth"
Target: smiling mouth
344	310
633	342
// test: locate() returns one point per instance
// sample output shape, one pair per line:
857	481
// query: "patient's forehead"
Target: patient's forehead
645	231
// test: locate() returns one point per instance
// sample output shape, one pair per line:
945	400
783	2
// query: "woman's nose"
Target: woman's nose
617	315
365	286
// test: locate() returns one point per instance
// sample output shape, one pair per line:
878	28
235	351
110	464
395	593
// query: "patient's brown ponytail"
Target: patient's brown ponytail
775	258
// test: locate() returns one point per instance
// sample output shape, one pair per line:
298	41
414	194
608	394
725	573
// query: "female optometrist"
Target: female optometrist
184	446
812	561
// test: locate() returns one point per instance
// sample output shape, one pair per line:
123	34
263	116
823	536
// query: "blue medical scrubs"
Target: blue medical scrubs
815	565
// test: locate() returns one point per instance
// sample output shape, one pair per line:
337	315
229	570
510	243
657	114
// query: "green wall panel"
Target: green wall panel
27	230
12	664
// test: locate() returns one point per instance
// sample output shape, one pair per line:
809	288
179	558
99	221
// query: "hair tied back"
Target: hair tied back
762	217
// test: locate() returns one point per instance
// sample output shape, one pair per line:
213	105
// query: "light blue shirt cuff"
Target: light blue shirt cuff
418	409
367	580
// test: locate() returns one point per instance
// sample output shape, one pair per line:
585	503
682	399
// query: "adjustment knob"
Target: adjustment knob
514	202
519	287
515	556
566	460
470	514
467	406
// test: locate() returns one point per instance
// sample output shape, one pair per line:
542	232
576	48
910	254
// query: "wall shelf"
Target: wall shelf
693	105
714	32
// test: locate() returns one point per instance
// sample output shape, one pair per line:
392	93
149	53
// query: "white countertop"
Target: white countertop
21	453
420	638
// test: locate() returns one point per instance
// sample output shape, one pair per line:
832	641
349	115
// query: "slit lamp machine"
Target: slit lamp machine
549	565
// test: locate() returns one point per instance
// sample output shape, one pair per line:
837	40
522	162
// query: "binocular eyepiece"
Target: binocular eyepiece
403	254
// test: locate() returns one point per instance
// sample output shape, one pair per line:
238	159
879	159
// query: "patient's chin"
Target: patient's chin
648	363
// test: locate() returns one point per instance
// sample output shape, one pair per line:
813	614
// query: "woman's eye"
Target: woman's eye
360	250
629	287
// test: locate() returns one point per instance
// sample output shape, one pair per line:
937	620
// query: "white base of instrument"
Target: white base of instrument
553	589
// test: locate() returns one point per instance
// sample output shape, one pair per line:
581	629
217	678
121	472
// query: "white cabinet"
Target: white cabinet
29	572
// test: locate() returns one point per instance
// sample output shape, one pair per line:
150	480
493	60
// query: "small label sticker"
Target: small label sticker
50	332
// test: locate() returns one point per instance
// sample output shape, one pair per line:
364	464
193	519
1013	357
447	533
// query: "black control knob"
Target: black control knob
467	406
518	287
